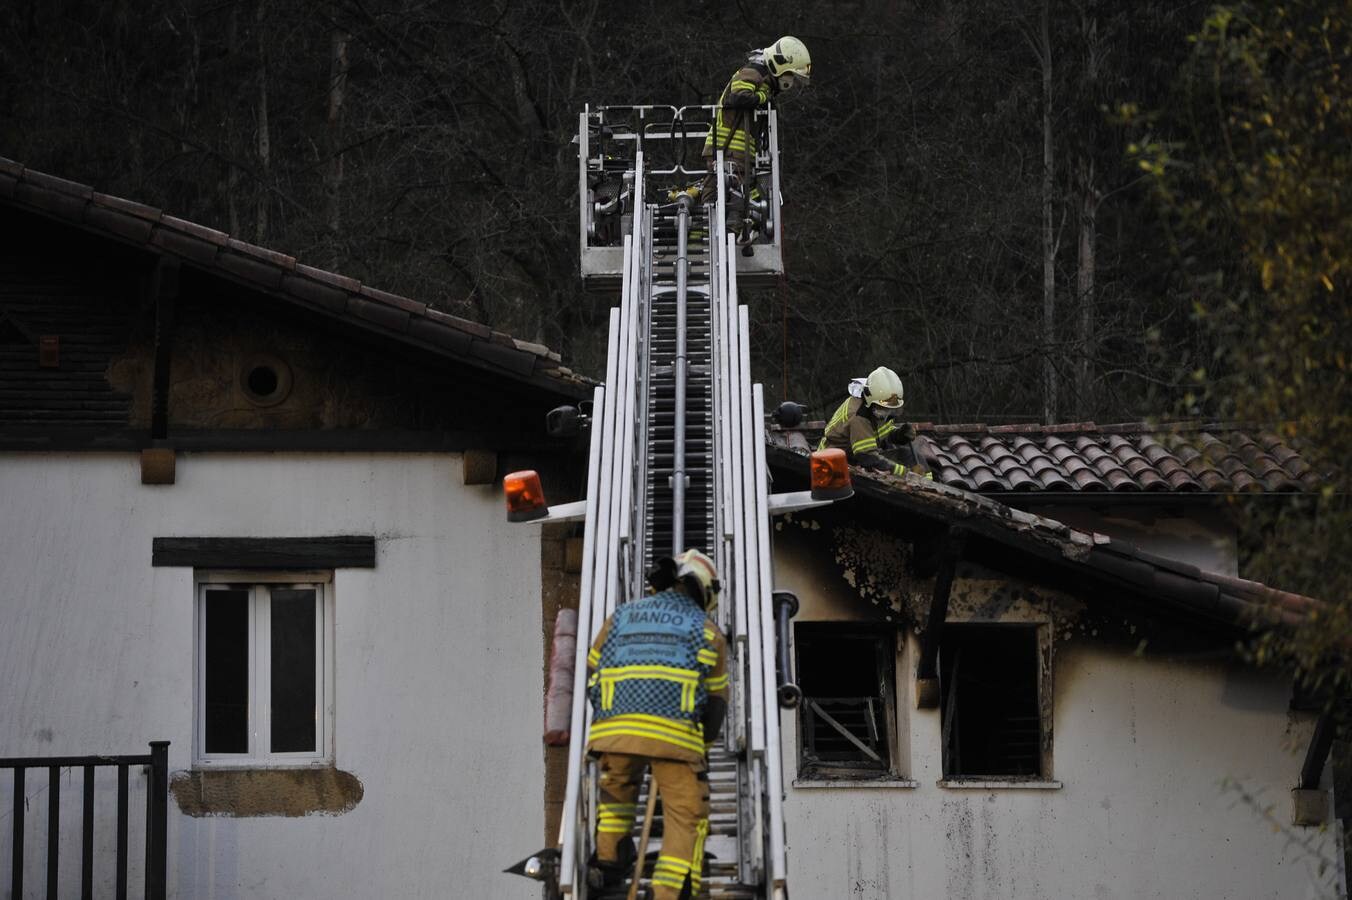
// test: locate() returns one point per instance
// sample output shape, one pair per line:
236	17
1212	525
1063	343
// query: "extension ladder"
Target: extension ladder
677	460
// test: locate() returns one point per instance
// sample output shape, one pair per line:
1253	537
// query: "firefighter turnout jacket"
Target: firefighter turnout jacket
750	88
854	429
653	667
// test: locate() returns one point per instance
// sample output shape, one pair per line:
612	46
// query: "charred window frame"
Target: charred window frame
995	702
848	718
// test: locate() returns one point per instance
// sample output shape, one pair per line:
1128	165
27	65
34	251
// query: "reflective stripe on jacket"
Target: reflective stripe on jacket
853	429
749	89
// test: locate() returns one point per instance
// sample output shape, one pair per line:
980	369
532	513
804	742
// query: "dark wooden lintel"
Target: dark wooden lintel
926	552
1318	751
339	551
164	294
927	671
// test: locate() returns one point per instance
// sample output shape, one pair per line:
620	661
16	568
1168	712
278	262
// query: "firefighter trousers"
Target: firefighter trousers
708	188
683	788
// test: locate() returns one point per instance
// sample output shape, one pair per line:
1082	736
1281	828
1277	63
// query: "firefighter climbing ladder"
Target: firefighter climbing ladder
677	459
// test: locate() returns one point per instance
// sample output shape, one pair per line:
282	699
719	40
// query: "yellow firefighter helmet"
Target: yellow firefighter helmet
883	388
789	62
696	571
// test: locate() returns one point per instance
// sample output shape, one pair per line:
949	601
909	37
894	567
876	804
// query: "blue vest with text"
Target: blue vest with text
650	661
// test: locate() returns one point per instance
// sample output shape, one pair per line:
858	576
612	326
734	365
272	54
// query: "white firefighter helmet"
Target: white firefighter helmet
789	62
696	571
883	388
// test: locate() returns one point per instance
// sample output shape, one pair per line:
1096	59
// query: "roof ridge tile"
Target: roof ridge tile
60	185
131	207
273	256
324	276
469	326
211	235
395	300
539	350
1071	427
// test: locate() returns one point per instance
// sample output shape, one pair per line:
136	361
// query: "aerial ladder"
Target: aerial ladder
677	460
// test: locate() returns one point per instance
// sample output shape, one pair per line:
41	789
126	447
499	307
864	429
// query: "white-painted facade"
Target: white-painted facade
1170	779
436	666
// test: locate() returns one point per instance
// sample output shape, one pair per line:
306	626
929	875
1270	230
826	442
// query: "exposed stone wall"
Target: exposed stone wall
266	792
560	584
322	381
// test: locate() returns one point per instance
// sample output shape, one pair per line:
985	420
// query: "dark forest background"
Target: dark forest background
961	201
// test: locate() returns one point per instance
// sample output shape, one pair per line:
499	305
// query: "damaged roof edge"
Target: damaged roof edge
1221	598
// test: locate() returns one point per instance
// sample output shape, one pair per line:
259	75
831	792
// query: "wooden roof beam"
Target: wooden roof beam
927	670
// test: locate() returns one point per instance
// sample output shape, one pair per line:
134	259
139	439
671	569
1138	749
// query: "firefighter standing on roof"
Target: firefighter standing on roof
863	426
658	688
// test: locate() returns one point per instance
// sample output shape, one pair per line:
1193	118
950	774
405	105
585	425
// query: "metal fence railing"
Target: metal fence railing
156	767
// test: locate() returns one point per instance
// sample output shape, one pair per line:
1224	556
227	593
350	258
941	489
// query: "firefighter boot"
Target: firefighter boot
605	873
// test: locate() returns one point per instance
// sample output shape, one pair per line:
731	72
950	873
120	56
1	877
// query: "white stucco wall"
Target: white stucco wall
437	663
1166	769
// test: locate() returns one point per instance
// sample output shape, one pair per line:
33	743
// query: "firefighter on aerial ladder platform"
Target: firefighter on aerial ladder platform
658	686
865	428
764	75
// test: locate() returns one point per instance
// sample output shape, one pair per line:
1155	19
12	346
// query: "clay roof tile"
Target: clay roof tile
985	479
1051	479
1086	480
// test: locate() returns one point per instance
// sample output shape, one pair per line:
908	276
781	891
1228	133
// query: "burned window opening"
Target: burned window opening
847	719
991	718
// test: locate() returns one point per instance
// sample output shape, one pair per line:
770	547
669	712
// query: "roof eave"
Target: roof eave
1222	599
275	274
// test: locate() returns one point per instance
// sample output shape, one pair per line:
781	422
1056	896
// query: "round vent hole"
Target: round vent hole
262	381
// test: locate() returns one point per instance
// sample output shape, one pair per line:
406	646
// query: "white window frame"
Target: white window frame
260	643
